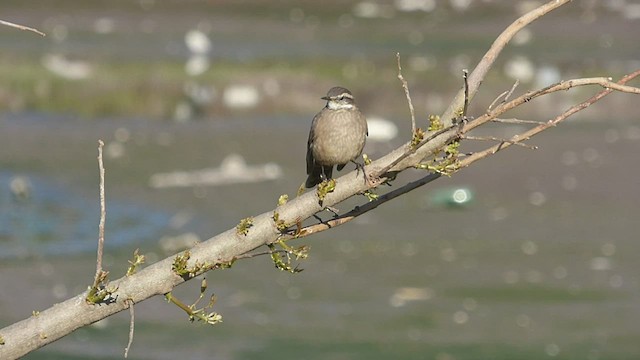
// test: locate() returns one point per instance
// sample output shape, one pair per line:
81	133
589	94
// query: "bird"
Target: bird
337	136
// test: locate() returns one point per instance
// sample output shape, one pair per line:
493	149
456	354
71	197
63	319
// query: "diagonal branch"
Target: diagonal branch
478	74
160	278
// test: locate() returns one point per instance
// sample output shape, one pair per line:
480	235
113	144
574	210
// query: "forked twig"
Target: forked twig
505	95
572	110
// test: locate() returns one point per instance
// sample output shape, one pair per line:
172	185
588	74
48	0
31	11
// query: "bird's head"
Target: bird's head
339	98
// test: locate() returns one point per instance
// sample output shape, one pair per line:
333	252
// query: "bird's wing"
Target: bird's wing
310	160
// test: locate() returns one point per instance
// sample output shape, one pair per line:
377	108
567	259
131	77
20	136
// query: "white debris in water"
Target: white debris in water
371	10
415	5
404	295
68	69
20	187
460	5
241	96
520	68
381	129
197	42
631	11
232	170
197	65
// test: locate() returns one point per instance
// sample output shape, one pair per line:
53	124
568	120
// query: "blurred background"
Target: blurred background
205	107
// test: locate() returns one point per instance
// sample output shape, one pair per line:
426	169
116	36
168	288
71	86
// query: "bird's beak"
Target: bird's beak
325	98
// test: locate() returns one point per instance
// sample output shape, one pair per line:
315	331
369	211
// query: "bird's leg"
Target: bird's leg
360	167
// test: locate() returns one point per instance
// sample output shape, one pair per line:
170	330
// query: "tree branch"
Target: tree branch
160	278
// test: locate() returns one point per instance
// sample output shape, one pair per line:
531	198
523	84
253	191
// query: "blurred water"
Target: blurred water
52	219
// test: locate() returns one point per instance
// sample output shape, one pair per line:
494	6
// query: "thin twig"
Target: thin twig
510	92
103	215
501	96
405	86
516	121
504	96
131	327
465	76
492	138
22	27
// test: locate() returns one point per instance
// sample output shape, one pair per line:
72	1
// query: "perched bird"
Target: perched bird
337	136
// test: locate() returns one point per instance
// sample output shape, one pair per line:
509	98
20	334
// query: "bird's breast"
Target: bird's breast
339	136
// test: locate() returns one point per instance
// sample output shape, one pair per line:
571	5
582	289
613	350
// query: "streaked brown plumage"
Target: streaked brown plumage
337	136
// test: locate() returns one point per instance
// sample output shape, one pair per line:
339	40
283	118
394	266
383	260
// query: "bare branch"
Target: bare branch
492	138
563	85
131	328
103	215
504	96
528	134
516	121
465	76
405	86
